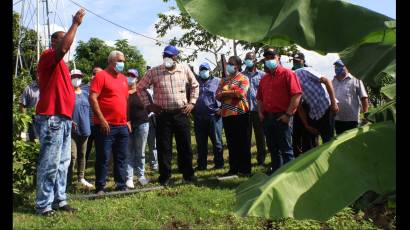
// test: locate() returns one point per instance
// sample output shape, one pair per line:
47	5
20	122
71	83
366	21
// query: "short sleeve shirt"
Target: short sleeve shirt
112	99
275	91
348	92
314	92
30	96
254	79
56	90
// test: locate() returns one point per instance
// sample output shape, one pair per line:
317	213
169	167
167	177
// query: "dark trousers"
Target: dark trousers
209	126
302	140
325	125
257	127
90	141
169	124
341	126
279	140
239	144
117	143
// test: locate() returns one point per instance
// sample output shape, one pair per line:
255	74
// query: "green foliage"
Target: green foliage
95	53
325	179
24	153
133	57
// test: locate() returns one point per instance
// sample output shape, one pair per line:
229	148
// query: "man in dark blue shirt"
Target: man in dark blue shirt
207	120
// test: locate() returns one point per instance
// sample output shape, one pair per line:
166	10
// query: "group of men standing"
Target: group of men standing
267	102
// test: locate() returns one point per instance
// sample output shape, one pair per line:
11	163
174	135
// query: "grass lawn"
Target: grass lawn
208	204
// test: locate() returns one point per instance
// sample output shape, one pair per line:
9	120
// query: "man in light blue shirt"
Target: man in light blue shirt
254	75
207	120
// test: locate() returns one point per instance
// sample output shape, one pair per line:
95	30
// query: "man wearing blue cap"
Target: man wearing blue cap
352	95
170	82
208	122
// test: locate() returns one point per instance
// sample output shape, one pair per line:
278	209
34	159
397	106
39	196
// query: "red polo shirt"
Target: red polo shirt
56	90
275	91
112	99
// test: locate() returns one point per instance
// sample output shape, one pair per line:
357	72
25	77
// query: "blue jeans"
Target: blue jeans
279	140
116	142
53	161
152	156
208	126
136	151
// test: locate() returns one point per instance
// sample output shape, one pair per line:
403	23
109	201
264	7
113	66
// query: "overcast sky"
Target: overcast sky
141	15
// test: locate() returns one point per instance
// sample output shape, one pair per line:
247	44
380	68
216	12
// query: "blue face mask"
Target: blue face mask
119	67
340	71
248	63
271	64
230	69
131	80
204	74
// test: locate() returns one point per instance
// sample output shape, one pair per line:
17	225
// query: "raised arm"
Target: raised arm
64	46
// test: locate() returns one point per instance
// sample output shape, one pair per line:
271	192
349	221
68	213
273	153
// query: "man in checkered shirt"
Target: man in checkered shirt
171	81
319	95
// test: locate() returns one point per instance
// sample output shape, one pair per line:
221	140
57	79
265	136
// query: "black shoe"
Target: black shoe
67	208
100	192
191	179
48	213
164	183
122	189
200	168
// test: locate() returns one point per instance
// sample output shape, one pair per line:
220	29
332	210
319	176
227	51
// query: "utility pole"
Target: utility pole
48	25
38	34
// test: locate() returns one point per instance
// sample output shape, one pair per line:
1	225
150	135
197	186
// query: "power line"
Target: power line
125	28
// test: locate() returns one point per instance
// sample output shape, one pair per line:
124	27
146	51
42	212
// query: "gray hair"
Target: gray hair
114	55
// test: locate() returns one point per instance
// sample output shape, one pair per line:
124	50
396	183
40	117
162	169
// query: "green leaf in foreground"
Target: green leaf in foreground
311	24
326	179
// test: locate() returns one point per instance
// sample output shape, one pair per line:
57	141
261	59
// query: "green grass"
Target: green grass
207	204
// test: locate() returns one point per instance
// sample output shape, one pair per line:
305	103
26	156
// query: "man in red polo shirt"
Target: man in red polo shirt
278	97
53	122
108	99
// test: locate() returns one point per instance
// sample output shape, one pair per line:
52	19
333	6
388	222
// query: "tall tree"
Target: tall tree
95	52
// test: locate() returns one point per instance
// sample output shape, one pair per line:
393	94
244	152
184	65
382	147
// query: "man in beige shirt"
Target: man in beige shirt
172	106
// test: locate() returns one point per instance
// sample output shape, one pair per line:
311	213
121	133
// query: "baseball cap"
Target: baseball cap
204	65
171	50
133	72
339	63
299	56
76	72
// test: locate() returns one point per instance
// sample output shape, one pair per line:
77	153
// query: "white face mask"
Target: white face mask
76	82
168	62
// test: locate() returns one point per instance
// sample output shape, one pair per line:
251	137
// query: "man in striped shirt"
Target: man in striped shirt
171	105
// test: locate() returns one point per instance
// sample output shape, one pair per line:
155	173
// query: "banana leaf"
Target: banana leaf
389	91
326	179
384	112
319	25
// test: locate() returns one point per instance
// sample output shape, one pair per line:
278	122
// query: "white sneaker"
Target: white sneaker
143	181
130	184
86	184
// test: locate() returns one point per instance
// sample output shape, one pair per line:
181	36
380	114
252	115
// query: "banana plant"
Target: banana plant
327	178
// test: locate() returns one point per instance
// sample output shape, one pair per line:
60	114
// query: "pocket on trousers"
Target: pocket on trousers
54	123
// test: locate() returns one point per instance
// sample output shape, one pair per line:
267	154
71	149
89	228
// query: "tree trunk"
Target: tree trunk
234	47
